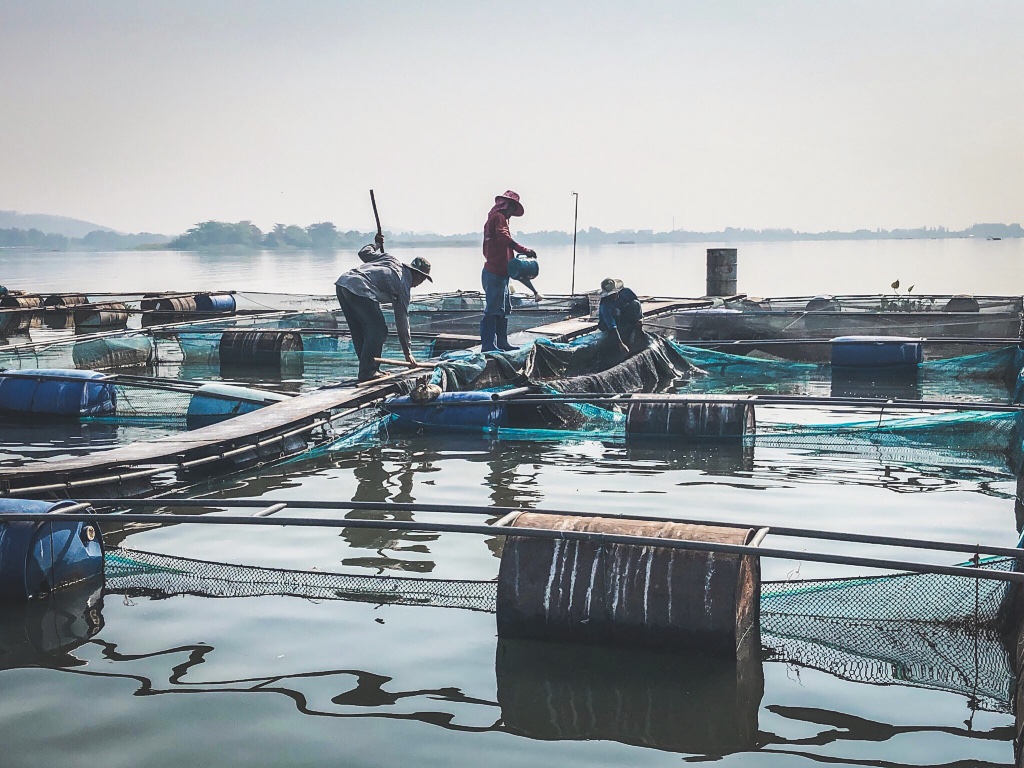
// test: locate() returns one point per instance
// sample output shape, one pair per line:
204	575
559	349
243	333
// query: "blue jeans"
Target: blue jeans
497	300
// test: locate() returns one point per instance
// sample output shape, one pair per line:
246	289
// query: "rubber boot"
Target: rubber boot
487	331
501	334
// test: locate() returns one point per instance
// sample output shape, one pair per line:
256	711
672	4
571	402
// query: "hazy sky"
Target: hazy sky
148	115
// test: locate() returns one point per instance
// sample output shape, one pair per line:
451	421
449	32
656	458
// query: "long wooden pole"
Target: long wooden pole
376	216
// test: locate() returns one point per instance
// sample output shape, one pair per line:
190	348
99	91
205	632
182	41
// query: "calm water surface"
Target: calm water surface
177	679
984	267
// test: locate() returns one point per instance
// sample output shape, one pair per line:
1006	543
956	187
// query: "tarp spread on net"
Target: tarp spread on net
592	363
926	630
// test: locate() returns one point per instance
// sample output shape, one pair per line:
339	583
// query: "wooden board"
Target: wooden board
244	429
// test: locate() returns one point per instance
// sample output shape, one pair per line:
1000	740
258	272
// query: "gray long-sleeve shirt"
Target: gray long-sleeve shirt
385	280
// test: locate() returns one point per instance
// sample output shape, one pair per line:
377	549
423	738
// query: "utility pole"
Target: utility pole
575	218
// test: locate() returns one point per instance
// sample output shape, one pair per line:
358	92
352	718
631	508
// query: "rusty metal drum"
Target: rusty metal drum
622	594
721	274
703	419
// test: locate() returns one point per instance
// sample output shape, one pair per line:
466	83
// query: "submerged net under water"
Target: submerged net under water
927	630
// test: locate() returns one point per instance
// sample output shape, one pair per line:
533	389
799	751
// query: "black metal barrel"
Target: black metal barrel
706	419
260	348
64	300
628	595
721	276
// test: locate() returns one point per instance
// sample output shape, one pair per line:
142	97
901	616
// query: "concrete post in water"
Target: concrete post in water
721	272
629	595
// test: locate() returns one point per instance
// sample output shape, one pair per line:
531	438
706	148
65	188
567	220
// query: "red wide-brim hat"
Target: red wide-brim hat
513	198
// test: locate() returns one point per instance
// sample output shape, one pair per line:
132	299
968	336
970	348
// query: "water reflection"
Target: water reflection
668	701
44	632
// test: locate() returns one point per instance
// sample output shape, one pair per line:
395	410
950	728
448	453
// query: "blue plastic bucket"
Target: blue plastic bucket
56	392
215	302
451	412
39	557
521	268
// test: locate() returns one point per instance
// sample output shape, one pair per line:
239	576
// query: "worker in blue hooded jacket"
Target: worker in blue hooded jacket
620	314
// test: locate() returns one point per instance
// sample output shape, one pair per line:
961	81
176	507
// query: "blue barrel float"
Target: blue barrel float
860	352
521	268
215	302
38	557
450	411
213	403
56	392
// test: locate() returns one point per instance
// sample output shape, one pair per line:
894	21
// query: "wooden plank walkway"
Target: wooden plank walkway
565	330
248	429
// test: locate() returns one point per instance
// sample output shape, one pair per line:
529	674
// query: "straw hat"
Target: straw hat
517	207
421	265
609	286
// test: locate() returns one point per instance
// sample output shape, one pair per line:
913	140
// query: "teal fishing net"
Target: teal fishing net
986	376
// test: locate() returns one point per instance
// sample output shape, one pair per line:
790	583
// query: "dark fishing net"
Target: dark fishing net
137	573
927	630
924	630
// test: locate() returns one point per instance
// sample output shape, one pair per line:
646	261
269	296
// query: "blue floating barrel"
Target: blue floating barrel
876	352
40	556
451	411
215	302
521	268
693	420
57	392
213	403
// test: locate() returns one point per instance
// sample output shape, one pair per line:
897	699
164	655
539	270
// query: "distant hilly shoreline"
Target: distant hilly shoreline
47	232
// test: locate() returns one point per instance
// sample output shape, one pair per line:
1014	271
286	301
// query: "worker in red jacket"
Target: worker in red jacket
499	250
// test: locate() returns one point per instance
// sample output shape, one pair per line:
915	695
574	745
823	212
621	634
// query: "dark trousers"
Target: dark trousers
368	327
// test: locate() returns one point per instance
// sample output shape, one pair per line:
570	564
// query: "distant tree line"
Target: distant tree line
98	240
594	236
245	234
325	235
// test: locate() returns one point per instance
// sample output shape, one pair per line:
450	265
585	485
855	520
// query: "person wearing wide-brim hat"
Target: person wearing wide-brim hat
620	313
499	250
380	279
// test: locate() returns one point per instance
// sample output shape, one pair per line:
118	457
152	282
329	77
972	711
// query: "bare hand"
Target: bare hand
378	239
410	359
530	253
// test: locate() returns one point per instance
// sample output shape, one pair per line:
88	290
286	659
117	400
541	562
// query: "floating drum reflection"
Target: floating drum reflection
669	701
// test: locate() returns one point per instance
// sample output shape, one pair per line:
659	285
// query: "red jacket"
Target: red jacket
499	247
